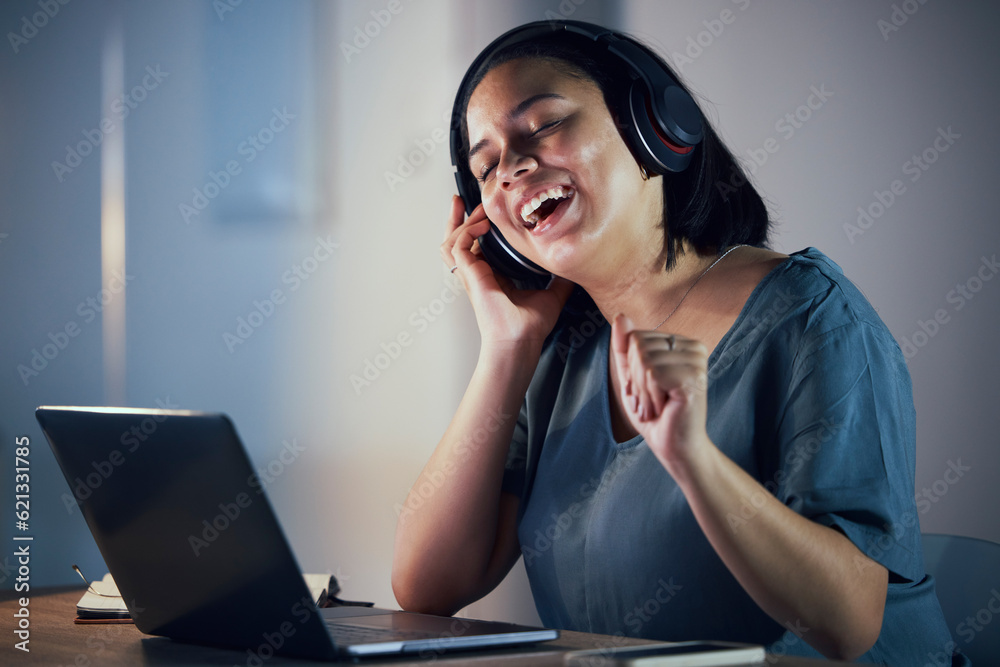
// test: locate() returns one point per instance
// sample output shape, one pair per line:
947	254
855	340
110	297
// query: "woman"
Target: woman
730	458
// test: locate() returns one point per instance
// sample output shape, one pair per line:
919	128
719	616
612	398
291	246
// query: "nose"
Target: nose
513	166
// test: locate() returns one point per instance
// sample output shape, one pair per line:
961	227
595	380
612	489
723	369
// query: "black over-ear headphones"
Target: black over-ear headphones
660	120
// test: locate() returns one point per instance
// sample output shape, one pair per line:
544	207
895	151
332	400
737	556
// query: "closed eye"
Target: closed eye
487	168
547	126
484	172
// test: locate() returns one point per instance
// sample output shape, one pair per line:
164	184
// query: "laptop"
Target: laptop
188	534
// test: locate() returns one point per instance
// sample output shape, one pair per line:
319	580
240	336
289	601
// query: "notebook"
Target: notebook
187	532
102	602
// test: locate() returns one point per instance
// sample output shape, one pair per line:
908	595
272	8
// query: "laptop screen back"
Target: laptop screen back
185	528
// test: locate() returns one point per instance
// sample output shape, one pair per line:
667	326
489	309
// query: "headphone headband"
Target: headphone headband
661	122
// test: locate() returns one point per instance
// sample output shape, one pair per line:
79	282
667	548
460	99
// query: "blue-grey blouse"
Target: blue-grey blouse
808	392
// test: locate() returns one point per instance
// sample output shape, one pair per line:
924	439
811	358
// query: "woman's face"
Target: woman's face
555	175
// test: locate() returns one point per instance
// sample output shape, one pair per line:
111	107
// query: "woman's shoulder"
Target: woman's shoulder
811	283
806	302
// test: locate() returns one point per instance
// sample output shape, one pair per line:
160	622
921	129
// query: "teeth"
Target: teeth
528	210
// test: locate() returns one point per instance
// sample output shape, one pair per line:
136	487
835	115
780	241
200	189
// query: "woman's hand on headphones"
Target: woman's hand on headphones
505	314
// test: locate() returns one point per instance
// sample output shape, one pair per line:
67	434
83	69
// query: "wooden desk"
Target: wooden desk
56	640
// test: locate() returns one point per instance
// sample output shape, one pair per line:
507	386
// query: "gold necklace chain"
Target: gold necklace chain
710	267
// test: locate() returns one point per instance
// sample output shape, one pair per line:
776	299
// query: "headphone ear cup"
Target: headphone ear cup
505	260
658	152
499	253
467	190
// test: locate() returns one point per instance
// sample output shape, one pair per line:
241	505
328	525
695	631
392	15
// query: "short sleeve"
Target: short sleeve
517	456
536	414
847	436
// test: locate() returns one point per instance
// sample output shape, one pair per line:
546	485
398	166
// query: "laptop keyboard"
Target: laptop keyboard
356	634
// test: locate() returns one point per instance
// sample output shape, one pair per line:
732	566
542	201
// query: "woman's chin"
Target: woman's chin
566	261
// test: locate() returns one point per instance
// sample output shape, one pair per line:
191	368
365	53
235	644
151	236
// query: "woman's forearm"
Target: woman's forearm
808	577
453	542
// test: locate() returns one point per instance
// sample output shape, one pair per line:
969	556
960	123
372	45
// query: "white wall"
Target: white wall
363	112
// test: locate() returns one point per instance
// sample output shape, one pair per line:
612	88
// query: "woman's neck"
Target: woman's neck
642	290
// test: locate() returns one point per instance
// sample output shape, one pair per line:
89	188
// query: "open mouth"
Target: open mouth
544	204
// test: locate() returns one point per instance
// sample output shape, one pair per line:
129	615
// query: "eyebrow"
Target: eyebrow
515	113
